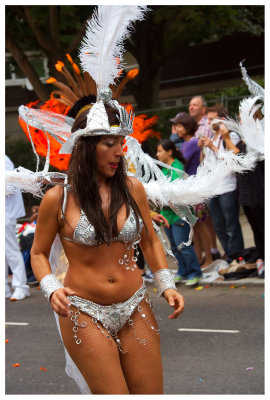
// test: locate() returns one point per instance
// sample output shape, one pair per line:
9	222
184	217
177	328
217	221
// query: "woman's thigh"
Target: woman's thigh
142	365
97	356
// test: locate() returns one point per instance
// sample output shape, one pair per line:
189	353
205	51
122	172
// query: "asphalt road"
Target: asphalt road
195	362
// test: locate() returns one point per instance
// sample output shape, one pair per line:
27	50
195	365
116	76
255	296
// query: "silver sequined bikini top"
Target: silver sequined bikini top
84	232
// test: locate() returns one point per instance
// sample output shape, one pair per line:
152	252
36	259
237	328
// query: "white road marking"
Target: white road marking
16	323
206	330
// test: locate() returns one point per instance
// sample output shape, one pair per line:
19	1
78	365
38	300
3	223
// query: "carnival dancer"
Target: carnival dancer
105	316
101	215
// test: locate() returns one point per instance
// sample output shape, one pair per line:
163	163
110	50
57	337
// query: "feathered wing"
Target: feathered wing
102	47
254	88
31	182
57	125
187	190
250	129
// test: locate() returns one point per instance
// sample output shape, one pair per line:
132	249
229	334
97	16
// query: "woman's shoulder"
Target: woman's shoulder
53	196
134	184
177	164
193	144
51	204
193	140
136	188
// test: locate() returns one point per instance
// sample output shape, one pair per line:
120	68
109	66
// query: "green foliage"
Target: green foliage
187	25
70	20
21	154
20	30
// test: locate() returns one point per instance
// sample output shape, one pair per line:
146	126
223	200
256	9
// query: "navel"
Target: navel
111	279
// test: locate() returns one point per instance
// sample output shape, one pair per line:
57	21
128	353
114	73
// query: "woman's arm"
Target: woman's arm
208	143
152	248
225	133
200	144
46	230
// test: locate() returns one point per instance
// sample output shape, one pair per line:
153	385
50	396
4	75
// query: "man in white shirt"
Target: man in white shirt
13	257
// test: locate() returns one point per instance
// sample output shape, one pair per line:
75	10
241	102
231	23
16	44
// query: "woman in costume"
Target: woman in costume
124	323
185	127
106	321
99	219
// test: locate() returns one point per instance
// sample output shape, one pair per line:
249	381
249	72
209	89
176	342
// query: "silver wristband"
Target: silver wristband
164	279
50	284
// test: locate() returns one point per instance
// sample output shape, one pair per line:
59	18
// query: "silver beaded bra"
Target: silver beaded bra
84	232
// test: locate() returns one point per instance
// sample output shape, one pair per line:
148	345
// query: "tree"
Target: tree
166	29
170	29
51	30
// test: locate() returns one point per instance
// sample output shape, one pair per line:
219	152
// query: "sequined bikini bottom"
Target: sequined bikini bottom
112	317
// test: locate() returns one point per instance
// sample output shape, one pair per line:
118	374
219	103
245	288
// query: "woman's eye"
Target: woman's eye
109	144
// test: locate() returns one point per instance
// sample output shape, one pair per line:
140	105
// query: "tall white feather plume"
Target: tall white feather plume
102	47
254	88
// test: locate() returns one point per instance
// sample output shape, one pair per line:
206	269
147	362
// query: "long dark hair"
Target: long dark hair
82	174
167	145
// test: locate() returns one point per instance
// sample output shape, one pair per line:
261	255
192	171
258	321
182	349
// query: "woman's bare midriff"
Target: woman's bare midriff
95	274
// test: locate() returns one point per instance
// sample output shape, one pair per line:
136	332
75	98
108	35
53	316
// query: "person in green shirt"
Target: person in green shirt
178	231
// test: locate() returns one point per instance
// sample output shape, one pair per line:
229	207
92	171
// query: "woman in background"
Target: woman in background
178	232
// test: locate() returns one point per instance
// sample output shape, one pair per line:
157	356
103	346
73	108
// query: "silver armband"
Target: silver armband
164	279
50	284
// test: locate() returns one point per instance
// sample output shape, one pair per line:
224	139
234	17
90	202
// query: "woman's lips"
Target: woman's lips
113	165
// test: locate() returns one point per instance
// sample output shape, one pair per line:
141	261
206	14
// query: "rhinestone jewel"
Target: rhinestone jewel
105	94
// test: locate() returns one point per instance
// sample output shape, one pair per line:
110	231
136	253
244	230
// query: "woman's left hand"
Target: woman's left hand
175	300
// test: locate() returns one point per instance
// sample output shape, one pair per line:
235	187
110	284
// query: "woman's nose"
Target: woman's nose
119	150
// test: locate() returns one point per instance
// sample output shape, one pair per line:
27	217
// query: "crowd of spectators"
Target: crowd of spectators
195	136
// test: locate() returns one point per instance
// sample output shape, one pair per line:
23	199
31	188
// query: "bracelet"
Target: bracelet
50	284
164	279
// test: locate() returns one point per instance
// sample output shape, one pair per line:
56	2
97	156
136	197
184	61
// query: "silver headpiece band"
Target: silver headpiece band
98	123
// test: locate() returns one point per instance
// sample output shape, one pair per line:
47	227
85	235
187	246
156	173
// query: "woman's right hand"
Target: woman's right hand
59	301
200	142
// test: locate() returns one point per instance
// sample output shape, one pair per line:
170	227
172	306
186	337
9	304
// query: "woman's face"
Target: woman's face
109	150
162	154
180	130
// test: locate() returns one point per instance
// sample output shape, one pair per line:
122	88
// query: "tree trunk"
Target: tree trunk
147	47
27	68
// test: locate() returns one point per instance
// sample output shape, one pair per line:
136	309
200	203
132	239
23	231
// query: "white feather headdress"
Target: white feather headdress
101	52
